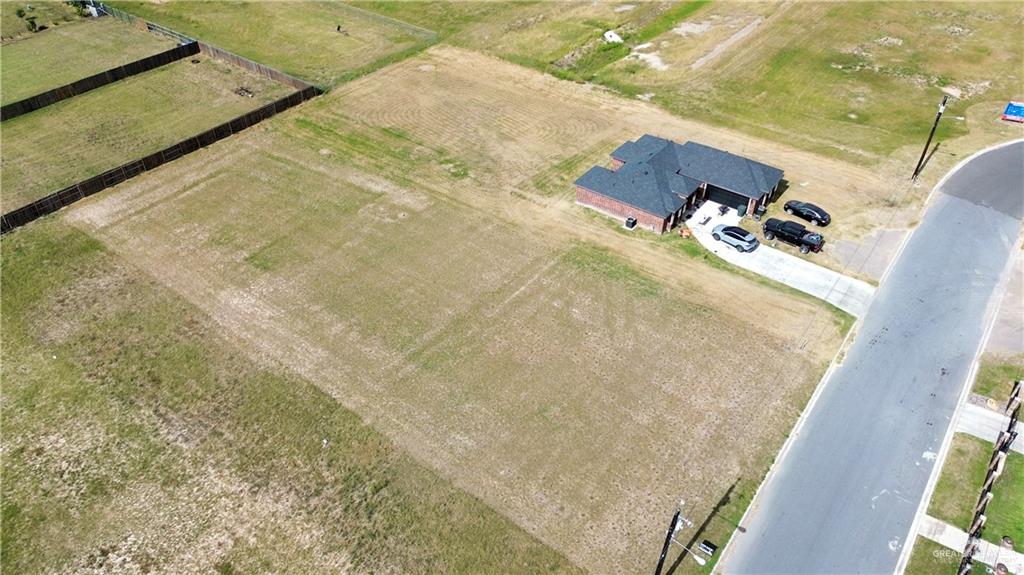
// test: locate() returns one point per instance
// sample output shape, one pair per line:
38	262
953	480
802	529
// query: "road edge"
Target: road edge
795	432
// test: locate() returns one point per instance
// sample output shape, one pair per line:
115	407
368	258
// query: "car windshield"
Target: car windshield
736	231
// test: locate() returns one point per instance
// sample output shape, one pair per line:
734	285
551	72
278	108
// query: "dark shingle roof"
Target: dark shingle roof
658	174
642	186
706	164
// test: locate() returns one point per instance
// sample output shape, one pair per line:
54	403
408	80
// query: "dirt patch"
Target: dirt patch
727	43
871	255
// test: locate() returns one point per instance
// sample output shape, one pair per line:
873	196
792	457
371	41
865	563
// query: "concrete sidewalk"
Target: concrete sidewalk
952	538
984	424
848	294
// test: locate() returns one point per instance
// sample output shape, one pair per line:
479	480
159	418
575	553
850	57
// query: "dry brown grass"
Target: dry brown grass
387	243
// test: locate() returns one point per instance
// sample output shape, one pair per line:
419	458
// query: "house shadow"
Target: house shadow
779	190
699	532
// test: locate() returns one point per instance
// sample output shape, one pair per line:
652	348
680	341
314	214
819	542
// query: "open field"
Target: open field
391	247
136	439
78	138
46	13
66	53
299	38
930	558
864	89
963	473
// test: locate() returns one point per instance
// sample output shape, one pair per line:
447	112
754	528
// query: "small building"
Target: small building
656	180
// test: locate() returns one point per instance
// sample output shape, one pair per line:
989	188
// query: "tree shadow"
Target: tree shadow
725	499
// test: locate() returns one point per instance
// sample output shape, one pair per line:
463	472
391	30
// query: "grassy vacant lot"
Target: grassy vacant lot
930	558
52	148
299	38
45	13
63	54
996	376
865	88
391	247
960	483
137	439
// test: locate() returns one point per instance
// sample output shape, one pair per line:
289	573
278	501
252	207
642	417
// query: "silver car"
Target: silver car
736	237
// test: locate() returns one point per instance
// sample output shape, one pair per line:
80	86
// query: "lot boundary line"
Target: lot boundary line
112	177
83	85
84	188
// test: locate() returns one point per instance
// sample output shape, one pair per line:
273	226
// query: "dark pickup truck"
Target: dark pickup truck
793	233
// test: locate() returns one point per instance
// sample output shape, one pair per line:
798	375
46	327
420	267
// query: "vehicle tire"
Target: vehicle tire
739	249
789	211
769	236
804	249
717	237
815	223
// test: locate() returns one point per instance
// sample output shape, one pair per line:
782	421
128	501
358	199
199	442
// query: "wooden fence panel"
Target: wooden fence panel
78	87
124	172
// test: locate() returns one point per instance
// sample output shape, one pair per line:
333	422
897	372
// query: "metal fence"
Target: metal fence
78	87
255	67
90	186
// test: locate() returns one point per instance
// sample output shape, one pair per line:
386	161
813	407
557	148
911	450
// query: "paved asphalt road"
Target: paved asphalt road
845	494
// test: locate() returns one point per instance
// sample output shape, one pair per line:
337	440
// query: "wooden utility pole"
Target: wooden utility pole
935	124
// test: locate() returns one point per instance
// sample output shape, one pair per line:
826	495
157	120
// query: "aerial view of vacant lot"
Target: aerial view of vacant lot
377	332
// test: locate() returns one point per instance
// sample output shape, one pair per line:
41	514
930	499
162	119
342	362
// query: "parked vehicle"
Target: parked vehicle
736	237
809	212
793	233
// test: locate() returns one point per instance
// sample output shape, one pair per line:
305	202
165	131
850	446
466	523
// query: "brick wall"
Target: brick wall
617	209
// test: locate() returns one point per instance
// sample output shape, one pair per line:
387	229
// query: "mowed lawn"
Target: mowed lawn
960	485
135	436
69	52
866	86
48	13
300	38
61	144
386	253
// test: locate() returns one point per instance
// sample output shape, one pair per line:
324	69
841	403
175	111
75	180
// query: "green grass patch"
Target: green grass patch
600	261
996	375
960	484
930	558
299	38
18	17
118	395
70	52
81	137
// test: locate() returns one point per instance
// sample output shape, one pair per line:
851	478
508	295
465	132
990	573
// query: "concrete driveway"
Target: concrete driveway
848	294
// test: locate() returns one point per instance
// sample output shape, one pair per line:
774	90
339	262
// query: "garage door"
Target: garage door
725	198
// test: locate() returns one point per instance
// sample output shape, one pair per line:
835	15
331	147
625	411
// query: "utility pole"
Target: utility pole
670	537
935	124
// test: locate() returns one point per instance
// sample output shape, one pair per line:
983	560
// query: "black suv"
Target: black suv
809	212
793	233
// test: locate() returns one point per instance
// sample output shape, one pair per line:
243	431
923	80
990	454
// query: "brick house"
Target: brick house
656	180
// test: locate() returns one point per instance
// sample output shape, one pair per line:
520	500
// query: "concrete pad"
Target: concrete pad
872	255
984	423
846	293
952	538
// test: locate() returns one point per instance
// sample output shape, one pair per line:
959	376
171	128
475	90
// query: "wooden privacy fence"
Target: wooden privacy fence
90	186
256	67
78	87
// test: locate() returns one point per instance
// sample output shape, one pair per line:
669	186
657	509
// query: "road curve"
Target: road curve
843	497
